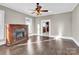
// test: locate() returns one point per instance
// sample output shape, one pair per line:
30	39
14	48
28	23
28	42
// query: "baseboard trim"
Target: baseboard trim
2	42
64	37
75	42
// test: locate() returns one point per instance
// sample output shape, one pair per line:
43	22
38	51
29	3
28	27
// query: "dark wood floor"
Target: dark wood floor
40	45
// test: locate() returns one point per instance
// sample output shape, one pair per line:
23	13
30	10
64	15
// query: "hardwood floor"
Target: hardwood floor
41	45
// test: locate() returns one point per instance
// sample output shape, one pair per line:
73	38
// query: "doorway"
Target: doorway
45	27
28	22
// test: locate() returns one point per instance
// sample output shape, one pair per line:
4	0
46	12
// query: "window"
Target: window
1	25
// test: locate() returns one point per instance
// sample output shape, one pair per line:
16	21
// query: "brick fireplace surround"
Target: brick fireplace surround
16	34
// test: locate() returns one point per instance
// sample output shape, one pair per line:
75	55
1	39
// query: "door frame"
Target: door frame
29	24
49	26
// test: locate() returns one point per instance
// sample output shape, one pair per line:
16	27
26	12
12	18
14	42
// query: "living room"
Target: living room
27	31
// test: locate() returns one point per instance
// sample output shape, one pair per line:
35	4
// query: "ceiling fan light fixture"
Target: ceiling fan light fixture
38	9
37	13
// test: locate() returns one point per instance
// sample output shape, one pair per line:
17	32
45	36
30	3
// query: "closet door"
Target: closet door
1	25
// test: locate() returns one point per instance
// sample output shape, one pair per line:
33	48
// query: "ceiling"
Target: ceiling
54	8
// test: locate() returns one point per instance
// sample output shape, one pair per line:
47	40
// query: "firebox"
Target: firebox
19	34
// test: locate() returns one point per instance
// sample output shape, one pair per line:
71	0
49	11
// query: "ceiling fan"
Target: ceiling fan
38	9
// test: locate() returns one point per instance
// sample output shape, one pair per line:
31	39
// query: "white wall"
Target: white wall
60	24
75	24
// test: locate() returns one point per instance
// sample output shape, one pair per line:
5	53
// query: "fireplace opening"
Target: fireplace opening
19	34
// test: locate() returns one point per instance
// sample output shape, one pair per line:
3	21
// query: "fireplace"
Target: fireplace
16	34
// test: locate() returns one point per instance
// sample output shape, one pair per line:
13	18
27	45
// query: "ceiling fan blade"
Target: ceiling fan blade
44	10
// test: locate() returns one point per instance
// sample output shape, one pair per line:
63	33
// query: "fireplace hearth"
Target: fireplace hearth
16	34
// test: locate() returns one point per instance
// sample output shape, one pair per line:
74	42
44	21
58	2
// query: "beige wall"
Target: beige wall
75	24
60	23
